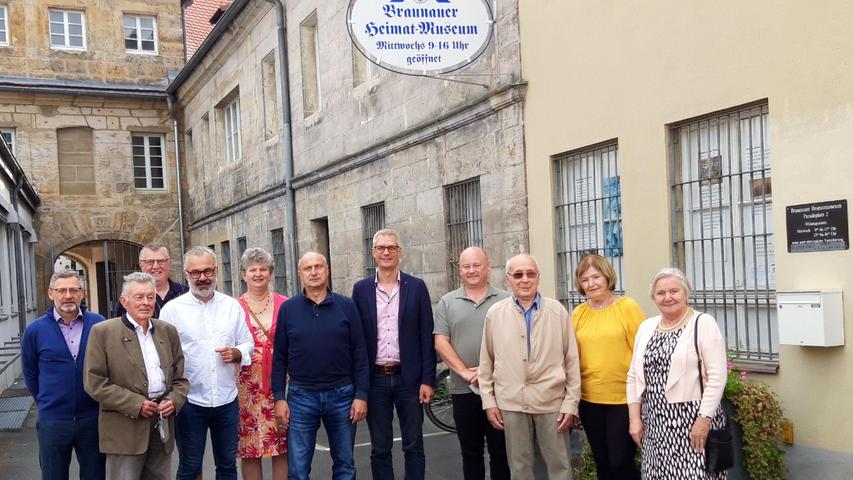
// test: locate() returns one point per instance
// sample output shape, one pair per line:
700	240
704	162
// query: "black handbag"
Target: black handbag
719	449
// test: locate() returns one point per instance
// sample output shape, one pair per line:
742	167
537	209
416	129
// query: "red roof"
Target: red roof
197	21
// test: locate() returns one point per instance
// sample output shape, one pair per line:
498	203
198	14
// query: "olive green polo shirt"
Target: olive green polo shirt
459	318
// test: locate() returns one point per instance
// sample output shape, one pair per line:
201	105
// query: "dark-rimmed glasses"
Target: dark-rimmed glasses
386	248
196	274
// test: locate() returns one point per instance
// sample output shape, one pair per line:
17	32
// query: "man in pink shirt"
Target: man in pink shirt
396	314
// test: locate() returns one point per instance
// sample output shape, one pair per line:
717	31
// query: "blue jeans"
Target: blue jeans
386	393
307	408
56	440
191	435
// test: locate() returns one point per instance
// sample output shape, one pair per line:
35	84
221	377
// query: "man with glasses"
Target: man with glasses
458	331
135	370
154	260
396	314
216	343
529	373
52	353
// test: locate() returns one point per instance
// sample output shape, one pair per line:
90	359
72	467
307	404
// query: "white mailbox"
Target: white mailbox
810	318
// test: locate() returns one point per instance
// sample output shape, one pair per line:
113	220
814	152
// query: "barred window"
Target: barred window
723	225
227	281
464	223
241	248
372	220
588	200
280	260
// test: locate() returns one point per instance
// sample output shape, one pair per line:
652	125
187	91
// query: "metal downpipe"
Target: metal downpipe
169	102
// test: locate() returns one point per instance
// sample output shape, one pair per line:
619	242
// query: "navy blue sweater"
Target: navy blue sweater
53	377
320	345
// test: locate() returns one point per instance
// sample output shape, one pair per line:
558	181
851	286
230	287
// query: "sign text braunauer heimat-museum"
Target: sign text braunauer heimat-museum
420	37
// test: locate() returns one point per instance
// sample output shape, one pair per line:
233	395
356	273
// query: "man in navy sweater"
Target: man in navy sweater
52	353
319	342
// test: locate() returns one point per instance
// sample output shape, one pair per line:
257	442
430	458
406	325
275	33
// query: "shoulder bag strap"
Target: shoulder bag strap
698	356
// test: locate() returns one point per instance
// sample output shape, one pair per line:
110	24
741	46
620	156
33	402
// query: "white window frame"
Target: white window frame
4	26
138	30
231	121
13	135
149	178
66	42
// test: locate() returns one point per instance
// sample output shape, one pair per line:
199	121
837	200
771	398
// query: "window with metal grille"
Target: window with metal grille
148	168
280	260
723	225
241	248
225	253
372	220
588	200
464	223
140	34
67	29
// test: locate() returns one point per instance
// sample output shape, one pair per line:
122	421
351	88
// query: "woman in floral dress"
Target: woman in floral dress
259	434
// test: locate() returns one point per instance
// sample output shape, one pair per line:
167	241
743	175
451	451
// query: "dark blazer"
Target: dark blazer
115	376
417	351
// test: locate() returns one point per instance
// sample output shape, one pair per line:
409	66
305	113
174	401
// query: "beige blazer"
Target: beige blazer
114	375
682	385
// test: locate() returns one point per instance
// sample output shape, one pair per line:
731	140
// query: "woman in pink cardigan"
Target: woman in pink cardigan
669	415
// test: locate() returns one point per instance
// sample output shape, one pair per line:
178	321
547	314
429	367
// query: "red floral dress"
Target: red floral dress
259	434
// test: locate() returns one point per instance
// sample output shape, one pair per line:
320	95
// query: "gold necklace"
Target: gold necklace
677	324
266	305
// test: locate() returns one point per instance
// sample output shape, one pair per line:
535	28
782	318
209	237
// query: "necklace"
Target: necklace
677	324
610	300
259	312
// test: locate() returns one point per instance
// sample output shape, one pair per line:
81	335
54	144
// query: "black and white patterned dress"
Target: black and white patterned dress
667	454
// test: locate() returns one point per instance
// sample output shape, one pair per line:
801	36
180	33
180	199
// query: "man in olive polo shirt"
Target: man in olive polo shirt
458	331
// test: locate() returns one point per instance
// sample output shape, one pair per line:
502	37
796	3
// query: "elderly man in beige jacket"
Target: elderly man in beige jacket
529	373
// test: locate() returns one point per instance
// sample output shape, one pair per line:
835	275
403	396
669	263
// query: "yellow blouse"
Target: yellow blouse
606	342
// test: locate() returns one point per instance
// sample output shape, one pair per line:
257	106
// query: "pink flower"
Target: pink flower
743	376
730	365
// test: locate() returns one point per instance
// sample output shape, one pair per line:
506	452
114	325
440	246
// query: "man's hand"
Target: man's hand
358	410
166	407
564	421
148	409
282	413
471	377
495	418
229	354
425	394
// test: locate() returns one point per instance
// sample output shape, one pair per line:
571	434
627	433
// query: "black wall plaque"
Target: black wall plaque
817	227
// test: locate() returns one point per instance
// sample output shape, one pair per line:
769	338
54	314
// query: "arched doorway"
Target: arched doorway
102	264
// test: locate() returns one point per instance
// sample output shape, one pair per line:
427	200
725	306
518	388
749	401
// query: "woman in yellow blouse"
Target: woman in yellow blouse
605	326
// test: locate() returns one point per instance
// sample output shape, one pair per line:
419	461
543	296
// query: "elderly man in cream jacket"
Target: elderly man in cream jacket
529	373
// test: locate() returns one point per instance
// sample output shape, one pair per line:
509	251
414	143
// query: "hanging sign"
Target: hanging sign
420	37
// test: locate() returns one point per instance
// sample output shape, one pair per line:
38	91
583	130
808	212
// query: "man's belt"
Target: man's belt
387	369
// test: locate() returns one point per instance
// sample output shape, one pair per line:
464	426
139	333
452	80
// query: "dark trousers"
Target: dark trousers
388	392
57	438
606	428
191	436
474	432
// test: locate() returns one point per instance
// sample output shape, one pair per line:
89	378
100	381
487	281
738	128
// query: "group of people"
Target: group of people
260	372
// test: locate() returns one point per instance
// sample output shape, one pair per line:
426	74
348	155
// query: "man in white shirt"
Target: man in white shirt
216	344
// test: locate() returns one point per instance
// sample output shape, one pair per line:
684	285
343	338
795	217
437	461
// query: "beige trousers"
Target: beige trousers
521	429
154	464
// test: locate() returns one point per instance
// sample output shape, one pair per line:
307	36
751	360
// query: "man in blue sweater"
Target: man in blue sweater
319	341
52	353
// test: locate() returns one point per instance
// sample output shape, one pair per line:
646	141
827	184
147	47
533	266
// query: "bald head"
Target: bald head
314	271
474	268
312	257
522	274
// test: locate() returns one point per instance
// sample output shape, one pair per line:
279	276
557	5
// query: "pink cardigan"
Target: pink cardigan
682	385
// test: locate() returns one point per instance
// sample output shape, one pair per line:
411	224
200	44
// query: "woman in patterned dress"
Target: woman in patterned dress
669	417
259	435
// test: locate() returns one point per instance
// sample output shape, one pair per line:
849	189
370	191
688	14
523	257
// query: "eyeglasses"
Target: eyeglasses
66	291
154	261
519	275
386	248
196	274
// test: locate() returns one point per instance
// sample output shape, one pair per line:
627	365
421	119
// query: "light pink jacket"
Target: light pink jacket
682	385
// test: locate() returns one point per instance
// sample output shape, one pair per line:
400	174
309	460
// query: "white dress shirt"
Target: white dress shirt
204	327
156	378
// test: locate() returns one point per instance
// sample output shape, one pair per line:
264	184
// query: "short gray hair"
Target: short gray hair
136	277
153	247
536	263
387	232
198	251
670	272
256	255
65	274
